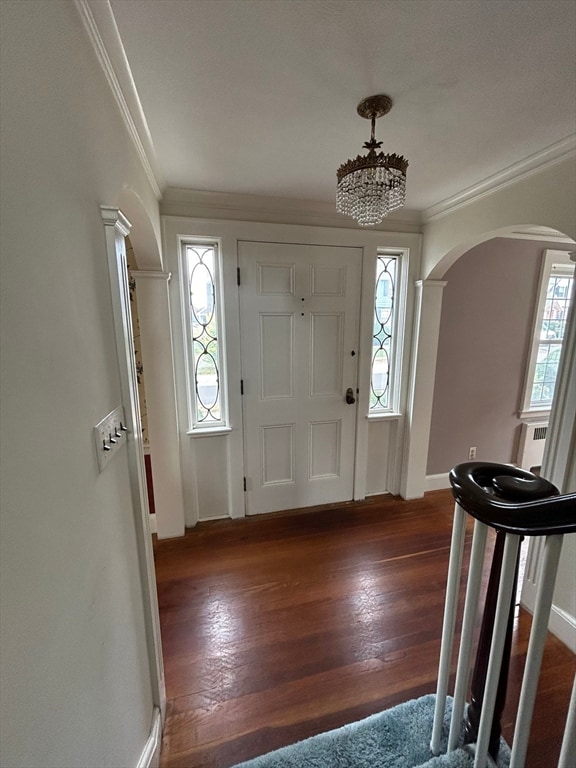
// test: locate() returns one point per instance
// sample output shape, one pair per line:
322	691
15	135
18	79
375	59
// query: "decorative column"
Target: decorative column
421	393
158	361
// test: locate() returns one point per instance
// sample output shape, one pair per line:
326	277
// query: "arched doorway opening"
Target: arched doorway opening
485	335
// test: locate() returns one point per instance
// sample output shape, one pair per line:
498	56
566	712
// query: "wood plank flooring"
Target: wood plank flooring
279	627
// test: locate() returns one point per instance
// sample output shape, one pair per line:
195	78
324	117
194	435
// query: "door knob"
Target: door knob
350	399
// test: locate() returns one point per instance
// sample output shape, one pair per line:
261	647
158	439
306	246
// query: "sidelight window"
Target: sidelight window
384	333
203	312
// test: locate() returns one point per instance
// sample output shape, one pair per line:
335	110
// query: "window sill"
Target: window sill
384	416
539	415
211	432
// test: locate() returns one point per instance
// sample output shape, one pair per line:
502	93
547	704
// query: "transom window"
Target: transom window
203	311
556	286
384	333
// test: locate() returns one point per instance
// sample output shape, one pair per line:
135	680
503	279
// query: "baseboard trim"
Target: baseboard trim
153	523
436	482
563	625
150	757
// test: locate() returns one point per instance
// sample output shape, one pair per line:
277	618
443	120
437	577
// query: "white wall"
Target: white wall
76	686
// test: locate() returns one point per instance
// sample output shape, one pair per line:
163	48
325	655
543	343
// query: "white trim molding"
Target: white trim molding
150	757
117	227
196	204
158	360
437	482
539	161
137	273
100	25
421	393
542	234
553	260
563	625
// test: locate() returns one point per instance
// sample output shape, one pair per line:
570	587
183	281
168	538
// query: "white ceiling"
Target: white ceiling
259	96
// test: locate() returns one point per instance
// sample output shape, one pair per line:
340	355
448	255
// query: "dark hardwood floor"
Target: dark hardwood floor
279	627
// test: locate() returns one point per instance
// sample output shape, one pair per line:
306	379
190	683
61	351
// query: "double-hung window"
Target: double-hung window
556	288
203	321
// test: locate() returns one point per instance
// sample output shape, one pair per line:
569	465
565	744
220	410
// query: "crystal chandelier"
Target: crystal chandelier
372	186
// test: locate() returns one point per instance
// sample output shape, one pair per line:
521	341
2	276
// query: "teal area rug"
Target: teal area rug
396	738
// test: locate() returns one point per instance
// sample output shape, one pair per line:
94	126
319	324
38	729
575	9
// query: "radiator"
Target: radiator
532	441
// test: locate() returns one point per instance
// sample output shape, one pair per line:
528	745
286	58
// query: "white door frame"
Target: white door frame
222	453
117	227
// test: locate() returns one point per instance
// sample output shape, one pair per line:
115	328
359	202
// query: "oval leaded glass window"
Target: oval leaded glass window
383	333
206	349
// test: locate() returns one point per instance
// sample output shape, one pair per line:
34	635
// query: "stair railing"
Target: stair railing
515	503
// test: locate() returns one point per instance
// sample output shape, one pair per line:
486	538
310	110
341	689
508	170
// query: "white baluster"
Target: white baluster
538	632
451	604
568	751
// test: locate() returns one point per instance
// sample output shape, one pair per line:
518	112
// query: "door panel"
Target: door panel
299	308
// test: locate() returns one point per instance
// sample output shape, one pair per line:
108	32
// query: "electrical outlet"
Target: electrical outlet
110	436
472	453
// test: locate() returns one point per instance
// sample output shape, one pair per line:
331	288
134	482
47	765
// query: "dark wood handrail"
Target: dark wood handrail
532	506
512	501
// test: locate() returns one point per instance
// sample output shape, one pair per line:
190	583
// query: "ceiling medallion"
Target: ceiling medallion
372	186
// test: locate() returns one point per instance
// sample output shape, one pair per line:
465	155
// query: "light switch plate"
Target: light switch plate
110	436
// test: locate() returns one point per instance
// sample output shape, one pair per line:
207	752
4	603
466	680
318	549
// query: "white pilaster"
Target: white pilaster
421	393
158	361
116	228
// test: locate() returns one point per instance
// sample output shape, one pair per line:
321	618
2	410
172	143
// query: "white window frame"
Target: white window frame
553	261
398	316
195	426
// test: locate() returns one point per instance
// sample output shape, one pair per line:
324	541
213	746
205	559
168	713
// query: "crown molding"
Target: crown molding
539	161
100	25
189	203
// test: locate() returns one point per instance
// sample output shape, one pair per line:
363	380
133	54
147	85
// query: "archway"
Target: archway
534	232
559	463
143	235
486	337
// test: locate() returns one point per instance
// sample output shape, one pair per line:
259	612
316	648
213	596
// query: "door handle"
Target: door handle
350	399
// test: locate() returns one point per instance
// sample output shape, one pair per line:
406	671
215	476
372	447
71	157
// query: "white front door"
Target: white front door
299	320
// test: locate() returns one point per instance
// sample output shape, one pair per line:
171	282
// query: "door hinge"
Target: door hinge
244	485
241	386
238	275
